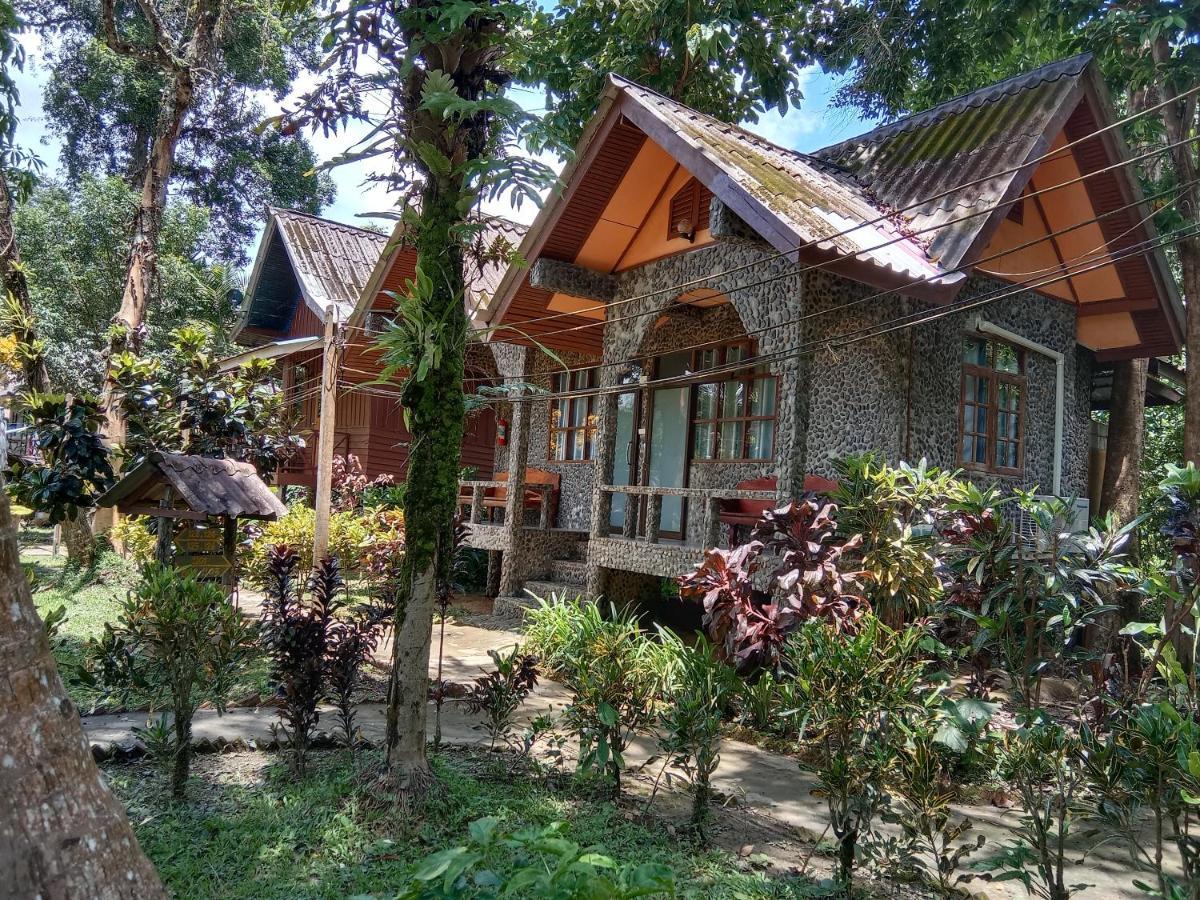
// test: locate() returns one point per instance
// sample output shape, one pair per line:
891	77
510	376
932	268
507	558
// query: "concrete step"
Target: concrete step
577	551
562	589
514	608
569	571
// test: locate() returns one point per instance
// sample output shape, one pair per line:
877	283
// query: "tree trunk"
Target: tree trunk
1179	123
17	290
1126	423
436	408
79	539
127	327
62	832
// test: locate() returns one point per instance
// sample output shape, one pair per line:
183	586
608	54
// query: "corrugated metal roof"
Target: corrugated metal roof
332	261
809	199
215	487
993	129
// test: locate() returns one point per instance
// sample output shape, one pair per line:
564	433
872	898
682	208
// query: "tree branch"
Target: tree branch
158	55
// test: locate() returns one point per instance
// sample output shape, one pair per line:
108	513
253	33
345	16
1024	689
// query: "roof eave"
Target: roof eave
602	121
379	274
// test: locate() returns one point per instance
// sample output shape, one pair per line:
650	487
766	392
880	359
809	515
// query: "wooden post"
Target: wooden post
326	436
229	551
162	547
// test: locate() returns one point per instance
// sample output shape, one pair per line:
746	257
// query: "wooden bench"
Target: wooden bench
746	513
496	497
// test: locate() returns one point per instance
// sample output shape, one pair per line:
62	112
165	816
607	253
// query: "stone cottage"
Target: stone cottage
727	316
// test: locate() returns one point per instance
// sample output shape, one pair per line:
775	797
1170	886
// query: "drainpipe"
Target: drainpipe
986	327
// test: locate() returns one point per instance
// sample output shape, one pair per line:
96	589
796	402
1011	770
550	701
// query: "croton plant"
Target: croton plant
749	612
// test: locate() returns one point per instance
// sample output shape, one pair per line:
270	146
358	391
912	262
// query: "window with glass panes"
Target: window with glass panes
733	418
572	419
993	405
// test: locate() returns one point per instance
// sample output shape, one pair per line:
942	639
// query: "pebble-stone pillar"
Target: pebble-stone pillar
605	442
511	580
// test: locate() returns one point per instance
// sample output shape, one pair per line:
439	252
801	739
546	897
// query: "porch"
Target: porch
530	553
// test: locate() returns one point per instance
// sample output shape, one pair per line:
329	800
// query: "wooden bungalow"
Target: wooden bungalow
304	265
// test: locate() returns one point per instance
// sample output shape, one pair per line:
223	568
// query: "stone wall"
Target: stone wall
899	393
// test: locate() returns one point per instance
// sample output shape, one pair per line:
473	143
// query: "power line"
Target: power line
888	217
837	342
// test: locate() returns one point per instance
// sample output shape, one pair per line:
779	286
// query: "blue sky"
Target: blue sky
813	125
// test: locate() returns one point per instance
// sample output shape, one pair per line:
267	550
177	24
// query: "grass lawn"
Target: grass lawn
249	829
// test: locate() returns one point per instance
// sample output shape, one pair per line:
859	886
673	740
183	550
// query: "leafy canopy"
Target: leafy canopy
730	59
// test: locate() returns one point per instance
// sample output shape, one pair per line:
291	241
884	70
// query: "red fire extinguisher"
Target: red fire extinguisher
501	432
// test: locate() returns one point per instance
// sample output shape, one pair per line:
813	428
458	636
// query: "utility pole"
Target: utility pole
326	436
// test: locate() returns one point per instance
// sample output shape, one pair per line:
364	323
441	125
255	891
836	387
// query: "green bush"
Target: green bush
180	642
137	538
614	672
698	689
353	540
857	696
549	867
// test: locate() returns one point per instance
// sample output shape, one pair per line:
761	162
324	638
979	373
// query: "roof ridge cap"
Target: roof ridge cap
324	220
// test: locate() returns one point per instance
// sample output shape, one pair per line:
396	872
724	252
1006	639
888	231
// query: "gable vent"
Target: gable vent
689	211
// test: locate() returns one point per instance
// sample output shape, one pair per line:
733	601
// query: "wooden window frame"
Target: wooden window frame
568	430
747	379
994	378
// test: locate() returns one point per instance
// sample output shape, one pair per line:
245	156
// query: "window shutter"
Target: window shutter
689	210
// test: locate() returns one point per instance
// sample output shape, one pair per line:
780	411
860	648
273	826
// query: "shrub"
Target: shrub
698	689
359	542
809	581
1148	766
1031	605
549	866
1046	764
350	642
180	641
613	671
137	538
499	693
921	783
857	694
892	511
296	633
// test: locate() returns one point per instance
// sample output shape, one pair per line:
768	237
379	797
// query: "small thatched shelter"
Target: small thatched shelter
210	495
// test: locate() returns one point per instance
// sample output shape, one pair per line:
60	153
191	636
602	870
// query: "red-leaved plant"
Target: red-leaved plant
750	625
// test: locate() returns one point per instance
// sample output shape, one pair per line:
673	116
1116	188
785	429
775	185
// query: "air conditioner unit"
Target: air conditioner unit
1031	534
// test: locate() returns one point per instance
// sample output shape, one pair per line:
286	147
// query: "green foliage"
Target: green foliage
136	536
1045	763
499	694
74	240
354	540
74	469
698	689
181	642
323	837
1031	604
1148	766
183	403
716	57
857	696
550	867
893	512
105	107
922	787
613	670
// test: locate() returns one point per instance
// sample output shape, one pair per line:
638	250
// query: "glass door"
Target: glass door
625	458
669	420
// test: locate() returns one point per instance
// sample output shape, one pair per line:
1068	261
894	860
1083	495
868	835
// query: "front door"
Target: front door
670	417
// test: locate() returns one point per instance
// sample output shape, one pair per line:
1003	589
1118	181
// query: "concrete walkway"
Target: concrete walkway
764	782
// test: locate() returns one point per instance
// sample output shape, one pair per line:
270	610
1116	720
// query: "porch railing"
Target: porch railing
652	516
478	491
